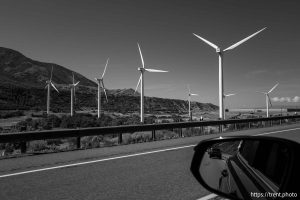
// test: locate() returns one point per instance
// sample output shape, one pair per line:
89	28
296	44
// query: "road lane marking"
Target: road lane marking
207	197
293	129
119	157
95	161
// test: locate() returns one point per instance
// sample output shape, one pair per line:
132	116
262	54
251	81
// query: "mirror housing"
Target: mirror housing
245	167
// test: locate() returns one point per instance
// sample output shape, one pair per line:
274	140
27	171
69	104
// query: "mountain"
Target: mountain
22	82
17	69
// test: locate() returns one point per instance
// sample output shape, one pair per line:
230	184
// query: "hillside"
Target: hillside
17	69
22	82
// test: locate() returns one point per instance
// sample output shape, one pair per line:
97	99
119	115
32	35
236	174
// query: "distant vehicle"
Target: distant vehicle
252	168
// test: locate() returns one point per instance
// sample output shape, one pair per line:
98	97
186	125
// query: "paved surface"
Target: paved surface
157	175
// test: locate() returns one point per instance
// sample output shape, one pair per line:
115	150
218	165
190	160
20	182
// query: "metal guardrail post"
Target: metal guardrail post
23	147
153	135
78	142
120	138
249	125
180	132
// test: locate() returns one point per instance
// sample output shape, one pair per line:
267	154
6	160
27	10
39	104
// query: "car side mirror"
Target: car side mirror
247	167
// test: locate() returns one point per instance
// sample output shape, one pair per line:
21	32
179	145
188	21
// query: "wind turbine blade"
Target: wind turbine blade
273	88
244	40
105	67
138	84
54	87
194	94
105	94
261	92
141	55
102	84
96	80
51	73
76	84
73	77
228	95
207	42
46	86
74	88
155	70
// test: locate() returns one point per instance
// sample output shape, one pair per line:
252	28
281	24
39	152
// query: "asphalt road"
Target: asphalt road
154	170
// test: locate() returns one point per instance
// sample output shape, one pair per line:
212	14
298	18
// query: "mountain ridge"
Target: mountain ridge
15	67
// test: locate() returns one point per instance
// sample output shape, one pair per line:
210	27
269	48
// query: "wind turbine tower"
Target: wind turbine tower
268	100
101	86
227	95
189	99
141	81
220	53
73	93
49	84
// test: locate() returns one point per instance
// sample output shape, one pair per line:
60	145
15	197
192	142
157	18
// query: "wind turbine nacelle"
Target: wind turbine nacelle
141	69
218	50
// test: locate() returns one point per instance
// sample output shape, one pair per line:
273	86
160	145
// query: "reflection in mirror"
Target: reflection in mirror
243	166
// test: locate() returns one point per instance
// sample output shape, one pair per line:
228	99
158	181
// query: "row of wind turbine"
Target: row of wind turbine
142	70
50	84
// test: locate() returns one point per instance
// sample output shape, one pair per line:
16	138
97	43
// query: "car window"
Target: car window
266	157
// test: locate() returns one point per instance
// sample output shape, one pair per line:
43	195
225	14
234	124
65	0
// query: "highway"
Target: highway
154	170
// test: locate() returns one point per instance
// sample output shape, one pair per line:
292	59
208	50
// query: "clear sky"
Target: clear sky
80	35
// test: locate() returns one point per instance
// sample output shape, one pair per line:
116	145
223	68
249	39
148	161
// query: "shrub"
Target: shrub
38	146
9	114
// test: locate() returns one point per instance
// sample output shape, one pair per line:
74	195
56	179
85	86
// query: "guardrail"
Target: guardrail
24	137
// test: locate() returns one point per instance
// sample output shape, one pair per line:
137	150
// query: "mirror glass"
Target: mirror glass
245	167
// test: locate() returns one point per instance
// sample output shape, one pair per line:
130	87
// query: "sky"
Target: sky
82	34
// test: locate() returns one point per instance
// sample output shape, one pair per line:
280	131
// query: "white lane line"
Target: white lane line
207	197
293	129
95	161
119	157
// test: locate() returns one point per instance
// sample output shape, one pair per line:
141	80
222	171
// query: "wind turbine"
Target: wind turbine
73	86
268	100
101	85
189	99
141	81
220	53
48	86
227	95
